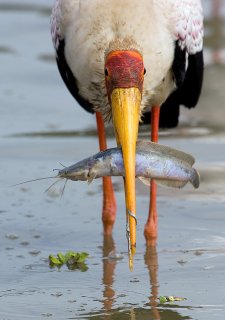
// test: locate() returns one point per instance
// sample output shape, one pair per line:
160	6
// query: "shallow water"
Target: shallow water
40	126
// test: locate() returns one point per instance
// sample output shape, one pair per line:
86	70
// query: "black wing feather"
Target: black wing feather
69	79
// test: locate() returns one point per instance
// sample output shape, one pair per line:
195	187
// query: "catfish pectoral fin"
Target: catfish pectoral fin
91	176
145	181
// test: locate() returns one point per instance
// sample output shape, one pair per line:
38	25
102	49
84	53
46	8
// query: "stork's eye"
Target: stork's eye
106	72
144	71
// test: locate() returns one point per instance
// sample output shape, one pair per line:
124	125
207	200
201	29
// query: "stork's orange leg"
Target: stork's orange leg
109	201
151	226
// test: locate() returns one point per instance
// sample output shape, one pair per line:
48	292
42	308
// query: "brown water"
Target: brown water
41	126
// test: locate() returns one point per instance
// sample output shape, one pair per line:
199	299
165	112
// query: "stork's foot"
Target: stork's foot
109	206
151	233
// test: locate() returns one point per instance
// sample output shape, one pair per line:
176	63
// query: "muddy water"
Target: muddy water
40	126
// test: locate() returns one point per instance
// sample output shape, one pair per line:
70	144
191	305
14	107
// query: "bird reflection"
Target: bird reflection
108	310
108	272
151	261
109	265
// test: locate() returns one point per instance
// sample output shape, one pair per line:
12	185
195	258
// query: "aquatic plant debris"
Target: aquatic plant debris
164	299
73	260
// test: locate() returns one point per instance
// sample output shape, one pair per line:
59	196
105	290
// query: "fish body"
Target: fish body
167	166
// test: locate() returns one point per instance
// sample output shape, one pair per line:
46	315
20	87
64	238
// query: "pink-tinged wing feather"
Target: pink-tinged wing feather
55	24
188	18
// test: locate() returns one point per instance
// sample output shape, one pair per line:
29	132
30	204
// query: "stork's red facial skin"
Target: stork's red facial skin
124	69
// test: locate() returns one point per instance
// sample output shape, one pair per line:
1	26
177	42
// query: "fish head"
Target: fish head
76	172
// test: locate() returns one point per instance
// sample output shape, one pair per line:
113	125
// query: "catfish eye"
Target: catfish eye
144	71
106	72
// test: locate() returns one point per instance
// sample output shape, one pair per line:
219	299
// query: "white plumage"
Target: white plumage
185	16
91	28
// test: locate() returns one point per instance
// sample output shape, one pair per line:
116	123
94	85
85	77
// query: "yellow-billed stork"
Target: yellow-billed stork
123	60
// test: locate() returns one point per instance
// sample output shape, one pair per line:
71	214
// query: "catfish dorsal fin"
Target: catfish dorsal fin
148	146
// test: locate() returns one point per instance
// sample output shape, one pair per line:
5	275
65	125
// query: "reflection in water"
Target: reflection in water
108	272
151	261
152	309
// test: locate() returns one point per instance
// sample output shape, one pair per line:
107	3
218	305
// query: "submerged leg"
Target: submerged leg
151	226
109	201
